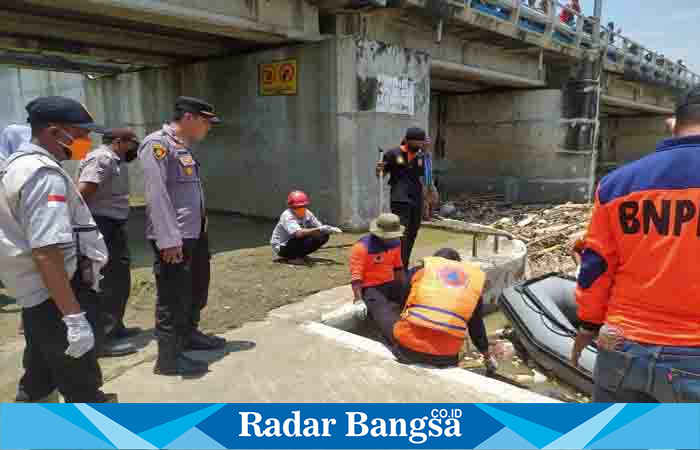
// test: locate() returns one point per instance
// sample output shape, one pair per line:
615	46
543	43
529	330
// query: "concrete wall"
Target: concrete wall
643	93
628	139
20	86
420	36
510	142
361	129
323	140
266	147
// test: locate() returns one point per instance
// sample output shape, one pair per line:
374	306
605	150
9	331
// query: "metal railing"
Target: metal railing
585	32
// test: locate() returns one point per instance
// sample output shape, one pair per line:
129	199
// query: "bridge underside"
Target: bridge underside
110	36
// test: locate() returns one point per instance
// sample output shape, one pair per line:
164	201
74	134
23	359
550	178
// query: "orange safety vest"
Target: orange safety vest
445	297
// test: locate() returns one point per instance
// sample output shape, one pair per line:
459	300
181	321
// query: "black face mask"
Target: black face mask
131	154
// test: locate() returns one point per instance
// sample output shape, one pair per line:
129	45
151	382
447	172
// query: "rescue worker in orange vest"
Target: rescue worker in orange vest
638	286
443	304
377	273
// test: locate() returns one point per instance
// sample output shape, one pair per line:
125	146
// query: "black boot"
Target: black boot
172	362
200	341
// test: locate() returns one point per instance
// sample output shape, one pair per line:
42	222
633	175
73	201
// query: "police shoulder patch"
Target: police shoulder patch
159	152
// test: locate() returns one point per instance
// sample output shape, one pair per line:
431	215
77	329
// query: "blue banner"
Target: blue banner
349	426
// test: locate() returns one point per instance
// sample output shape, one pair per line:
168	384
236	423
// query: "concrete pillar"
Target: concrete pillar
511	142
363	125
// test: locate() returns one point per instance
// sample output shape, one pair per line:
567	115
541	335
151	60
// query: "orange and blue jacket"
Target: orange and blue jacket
373	261
639	267
437	337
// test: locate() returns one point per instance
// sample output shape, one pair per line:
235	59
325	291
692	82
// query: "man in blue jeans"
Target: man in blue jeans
638	284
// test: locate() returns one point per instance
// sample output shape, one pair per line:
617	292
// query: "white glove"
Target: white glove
327	229
80	337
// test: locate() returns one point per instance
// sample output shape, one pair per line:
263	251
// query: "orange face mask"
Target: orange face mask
300	212
78	148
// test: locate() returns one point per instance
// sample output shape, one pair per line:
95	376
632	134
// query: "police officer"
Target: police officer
51	253
405	166
103	181
176	227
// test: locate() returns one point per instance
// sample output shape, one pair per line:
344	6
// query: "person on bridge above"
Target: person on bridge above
638	286
377	273
568	14
405	166
443	304
299	233
103	181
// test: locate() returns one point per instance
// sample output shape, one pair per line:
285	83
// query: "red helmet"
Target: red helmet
297	199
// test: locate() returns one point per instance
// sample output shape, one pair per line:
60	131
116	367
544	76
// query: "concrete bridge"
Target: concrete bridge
516	101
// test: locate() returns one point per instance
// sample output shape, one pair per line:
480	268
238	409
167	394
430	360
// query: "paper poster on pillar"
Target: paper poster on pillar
395	95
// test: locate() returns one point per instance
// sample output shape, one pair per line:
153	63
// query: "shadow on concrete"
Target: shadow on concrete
227	232
212	356
324	262
142	339
309	262
6	300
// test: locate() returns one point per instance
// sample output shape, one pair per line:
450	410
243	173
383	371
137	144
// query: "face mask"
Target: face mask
300	212
78	147
132	153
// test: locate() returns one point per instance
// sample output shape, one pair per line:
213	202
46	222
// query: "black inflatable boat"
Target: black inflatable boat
543	314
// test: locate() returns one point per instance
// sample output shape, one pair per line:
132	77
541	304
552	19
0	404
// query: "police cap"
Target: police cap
415	134
197	106
61	110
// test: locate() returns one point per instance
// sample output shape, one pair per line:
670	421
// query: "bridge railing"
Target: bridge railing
587	33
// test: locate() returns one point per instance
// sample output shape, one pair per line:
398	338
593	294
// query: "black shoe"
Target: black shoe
126	333
103	397
201	341
116	349
22	396
183	366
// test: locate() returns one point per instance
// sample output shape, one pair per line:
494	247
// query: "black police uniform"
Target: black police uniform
406	194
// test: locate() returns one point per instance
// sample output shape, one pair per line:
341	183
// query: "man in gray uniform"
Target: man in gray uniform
11	138
51	253
103	181
176	227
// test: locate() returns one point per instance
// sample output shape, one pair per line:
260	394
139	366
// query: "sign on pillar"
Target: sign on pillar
278	78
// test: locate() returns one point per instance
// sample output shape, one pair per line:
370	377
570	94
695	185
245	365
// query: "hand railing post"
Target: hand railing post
579	30
552	18
516	13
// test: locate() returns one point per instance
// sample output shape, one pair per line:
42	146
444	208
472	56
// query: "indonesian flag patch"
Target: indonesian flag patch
56	200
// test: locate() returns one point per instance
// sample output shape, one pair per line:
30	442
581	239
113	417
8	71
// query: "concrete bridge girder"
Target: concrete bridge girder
249	20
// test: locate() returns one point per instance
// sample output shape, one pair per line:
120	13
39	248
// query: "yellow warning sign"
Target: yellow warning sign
278	78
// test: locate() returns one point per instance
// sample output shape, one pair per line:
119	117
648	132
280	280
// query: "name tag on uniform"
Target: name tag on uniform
188	162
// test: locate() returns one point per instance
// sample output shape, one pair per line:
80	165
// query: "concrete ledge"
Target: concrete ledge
482	385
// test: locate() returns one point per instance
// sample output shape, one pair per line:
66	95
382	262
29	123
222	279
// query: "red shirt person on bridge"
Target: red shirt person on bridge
567	16
639	286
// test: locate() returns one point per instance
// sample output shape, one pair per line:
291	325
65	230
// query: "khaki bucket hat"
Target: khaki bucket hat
387	226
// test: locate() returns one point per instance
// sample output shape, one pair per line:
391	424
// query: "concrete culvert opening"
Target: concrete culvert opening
514	366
